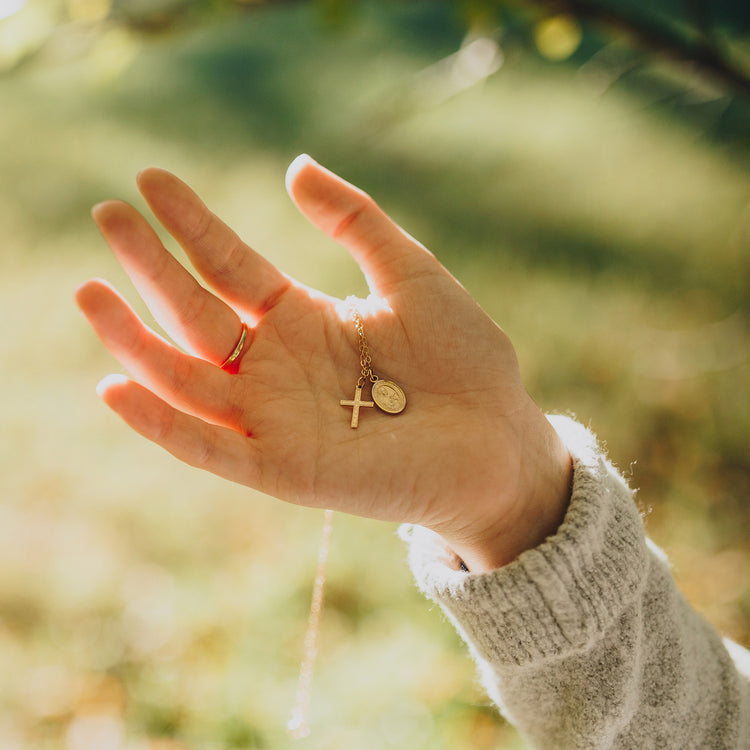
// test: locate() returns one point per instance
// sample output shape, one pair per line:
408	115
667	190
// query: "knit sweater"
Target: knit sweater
584	641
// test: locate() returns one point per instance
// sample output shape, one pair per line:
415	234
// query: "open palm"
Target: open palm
462	458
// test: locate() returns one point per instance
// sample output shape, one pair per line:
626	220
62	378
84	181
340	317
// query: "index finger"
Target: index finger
387	255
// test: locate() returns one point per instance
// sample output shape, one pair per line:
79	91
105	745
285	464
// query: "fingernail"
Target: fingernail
97	209
296	167
108	381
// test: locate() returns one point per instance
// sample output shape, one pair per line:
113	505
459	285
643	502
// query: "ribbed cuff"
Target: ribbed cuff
560	595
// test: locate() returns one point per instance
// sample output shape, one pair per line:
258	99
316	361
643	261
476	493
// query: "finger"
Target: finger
190	314
240	275
186	382
387	255
206	446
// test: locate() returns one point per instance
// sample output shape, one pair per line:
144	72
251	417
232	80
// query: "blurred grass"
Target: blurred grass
144	605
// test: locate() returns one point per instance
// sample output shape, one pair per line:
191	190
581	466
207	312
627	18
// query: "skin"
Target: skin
472	457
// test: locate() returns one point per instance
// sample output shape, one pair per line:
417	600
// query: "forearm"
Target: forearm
584	641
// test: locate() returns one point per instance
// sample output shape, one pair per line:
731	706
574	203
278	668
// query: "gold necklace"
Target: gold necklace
390	398
386	395
298	726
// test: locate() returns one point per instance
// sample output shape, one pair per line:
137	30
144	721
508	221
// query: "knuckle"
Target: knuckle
134	342
353	216
274	297
233	260
205	452
165	427
181	373
193	308
200	228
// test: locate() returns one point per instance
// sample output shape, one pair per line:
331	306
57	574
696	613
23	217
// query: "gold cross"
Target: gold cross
356	403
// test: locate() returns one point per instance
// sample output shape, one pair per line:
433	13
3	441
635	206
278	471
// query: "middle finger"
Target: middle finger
196	319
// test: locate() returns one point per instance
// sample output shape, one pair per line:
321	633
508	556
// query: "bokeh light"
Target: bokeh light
558	37
88	10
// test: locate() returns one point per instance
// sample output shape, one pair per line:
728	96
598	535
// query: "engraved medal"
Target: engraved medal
388	396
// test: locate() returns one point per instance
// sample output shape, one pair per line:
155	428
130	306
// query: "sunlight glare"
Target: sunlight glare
477	60
24	27
10	7
369	307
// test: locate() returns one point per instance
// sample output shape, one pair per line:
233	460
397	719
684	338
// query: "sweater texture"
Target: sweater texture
584	642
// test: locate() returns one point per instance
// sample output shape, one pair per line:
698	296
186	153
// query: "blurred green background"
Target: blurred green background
593	195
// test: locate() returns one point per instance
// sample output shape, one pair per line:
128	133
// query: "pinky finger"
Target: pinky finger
219	450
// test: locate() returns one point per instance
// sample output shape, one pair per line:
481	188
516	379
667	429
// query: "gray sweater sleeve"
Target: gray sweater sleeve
584	641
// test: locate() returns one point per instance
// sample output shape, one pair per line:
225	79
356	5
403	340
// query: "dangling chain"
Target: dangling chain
390	398
386	395
365	360
298	726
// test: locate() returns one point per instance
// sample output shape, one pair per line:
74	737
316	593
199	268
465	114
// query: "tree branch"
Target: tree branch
659	41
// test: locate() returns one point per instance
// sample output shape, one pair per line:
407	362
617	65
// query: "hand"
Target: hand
471	457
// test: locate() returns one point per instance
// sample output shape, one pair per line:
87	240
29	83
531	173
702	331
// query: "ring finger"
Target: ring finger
188	383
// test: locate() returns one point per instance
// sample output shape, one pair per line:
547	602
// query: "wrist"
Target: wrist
529	514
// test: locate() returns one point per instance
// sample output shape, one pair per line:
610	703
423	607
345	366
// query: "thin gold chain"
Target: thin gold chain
298	726
365	359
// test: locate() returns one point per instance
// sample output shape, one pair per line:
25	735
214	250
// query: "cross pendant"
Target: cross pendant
356	403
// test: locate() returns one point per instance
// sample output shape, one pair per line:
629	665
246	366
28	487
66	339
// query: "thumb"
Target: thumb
387	255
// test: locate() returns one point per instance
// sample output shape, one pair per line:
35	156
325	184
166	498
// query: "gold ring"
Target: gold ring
237	349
